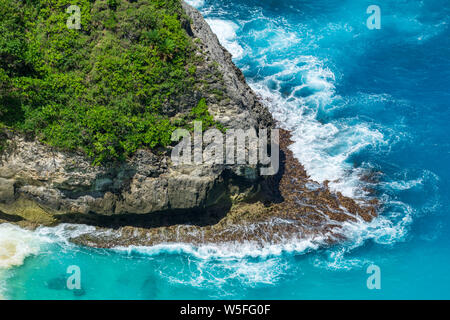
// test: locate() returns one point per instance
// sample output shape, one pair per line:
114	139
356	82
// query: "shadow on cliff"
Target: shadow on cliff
270	191
269	194
4	217
195	217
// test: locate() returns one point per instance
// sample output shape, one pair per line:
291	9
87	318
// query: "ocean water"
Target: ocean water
356	99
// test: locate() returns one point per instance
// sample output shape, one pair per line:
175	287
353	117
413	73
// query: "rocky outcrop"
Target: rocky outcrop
243	108
148	200
309	212
6	190
62	183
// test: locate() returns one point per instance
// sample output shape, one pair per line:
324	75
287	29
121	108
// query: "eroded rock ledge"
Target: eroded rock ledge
147	200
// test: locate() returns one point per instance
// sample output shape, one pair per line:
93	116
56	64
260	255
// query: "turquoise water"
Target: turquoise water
355	99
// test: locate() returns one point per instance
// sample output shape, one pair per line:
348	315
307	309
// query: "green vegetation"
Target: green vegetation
106	89
201	113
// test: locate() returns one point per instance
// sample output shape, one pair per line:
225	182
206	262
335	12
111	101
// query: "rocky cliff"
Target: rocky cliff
45	185
148	200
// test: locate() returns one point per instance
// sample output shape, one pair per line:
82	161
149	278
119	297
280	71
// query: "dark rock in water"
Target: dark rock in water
150	287
78	292
58	283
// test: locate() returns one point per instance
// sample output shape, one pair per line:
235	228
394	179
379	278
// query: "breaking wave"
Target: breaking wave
16	245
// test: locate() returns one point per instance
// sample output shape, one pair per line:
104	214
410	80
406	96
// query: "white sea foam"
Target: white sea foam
386	229
64	232
323	148
195	3
218	274
229	250
215	265
16	245
226	32
426	178
30	241
210	265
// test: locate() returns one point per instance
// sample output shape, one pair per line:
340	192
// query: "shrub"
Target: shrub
101	89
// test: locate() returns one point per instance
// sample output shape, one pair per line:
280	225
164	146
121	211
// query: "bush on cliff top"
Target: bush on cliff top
101	89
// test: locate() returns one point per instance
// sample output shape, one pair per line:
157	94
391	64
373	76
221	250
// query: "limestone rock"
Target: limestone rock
6	190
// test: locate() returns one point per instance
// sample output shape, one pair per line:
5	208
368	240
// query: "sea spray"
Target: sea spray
16	245
226	32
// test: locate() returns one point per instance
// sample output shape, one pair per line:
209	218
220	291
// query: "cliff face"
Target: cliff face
41	184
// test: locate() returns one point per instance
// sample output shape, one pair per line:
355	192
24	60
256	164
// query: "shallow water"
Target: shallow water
355	99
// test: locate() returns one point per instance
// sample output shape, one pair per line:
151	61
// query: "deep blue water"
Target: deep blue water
355	99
